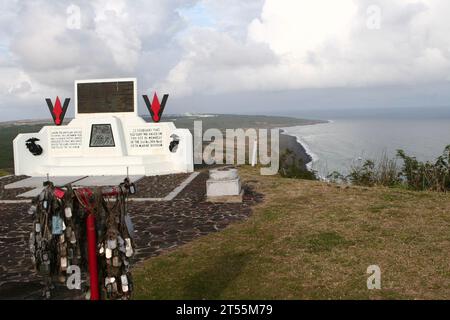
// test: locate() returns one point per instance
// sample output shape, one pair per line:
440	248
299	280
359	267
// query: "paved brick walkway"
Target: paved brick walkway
159	226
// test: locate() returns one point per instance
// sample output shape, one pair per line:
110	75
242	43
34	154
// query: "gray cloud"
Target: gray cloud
243	48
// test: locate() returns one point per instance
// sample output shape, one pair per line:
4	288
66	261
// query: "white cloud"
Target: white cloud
113	38
326	43
223	46
216	59
294	28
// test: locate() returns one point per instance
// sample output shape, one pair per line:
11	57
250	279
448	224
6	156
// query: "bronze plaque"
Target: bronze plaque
101	136
105	97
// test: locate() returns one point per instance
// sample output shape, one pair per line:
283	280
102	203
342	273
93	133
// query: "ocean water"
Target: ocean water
350	138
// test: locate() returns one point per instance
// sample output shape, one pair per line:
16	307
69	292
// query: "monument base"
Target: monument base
106	146
224	185
106	137
227	199
218	188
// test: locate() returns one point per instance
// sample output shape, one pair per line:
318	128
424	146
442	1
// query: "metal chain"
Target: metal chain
58	238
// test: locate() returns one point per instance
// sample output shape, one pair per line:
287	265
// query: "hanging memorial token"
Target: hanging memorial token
58	242
68	212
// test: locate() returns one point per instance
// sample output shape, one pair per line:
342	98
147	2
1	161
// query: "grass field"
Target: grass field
313	240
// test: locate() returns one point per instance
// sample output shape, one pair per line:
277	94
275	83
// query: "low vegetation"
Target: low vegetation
412	174
7	135
3	173
291	166
426	175
384	172
313	240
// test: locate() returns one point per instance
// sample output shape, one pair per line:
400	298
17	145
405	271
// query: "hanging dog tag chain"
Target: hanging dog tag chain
58	238
116	249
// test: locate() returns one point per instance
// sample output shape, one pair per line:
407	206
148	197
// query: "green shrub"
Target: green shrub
430	176
384	172
337	177
414	174
293	167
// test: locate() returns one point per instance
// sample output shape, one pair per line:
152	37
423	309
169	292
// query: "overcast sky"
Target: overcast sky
229	56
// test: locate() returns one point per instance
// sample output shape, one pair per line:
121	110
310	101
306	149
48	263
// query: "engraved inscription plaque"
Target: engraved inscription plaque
101	136
102	97
66	139
146	138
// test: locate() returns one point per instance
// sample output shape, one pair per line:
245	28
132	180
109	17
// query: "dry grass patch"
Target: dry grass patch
3	173
313	240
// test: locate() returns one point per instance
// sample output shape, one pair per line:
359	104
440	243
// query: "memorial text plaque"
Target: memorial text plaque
66	139
105	97
146	138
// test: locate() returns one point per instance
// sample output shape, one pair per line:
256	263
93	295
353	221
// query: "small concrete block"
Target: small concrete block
227	199
223	174
218	188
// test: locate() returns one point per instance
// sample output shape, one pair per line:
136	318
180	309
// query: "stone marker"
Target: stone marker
224	185
106	137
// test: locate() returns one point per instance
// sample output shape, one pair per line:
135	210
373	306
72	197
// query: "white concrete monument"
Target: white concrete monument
106	137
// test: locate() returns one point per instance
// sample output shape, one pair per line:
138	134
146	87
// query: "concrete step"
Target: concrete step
100	170
129	160
82	161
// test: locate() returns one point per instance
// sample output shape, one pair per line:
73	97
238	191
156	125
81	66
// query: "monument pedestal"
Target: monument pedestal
106	143
224	185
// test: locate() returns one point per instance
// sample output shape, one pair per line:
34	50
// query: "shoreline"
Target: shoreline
293	143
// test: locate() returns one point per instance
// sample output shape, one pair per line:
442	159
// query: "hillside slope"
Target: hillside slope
9	130
313	240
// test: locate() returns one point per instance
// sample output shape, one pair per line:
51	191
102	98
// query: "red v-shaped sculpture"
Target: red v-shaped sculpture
58	112
156	109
